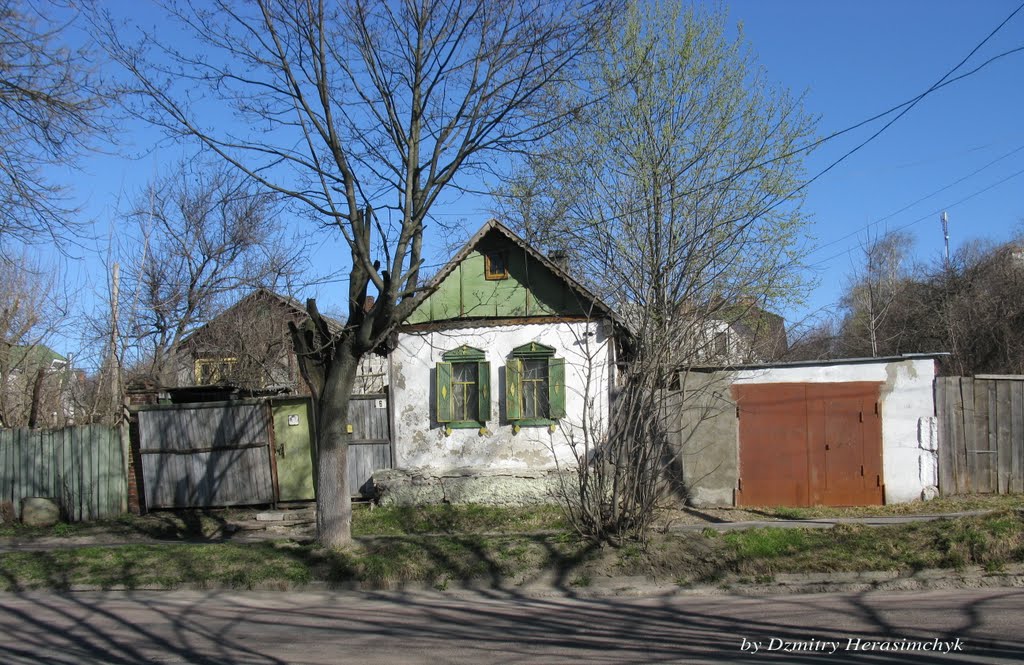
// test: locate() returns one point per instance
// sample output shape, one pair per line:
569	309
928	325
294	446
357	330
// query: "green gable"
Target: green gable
32	356
529	290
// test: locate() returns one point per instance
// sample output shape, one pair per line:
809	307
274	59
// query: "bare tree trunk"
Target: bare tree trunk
37	396
334	496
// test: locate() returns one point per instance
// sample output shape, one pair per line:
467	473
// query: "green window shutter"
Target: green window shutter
484	390
513	405
556	387
444	392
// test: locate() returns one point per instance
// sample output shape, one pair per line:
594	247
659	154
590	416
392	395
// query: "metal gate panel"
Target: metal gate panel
803	444
774	468
847	439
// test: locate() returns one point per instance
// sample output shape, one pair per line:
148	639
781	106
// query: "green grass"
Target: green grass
379	562
944	504
450	519
165	525
366	521
990	541
446	544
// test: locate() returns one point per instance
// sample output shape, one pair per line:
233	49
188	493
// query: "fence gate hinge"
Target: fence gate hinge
878	481
862	470
877	407
737	410
861	415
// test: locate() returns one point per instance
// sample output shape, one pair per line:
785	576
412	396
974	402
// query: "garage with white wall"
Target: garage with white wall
842	432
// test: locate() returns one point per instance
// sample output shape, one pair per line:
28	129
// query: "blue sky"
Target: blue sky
852	60
856	59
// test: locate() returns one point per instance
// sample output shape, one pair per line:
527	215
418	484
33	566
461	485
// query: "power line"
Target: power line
906	106
930	215
935	86
911	205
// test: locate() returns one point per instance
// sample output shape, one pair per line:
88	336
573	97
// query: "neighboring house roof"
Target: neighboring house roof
35	355
262	293
588	304
764	331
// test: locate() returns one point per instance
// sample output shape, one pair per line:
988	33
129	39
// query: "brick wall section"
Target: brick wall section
136	487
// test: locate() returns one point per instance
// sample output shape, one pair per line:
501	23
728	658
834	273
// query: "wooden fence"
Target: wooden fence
82	468
199	455
370	447
981	434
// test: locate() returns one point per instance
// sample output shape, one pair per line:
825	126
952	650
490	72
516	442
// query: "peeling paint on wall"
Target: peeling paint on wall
421	442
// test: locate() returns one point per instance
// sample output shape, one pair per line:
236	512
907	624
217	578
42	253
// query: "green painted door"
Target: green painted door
292	435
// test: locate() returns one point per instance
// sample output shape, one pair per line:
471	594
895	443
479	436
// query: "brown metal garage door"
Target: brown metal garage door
804	444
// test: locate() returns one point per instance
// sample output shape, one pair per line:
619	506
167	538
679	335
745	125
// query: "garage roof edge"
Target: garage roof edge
813	363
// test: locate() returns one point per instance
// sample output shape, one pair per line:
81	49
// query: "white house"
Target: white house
504	366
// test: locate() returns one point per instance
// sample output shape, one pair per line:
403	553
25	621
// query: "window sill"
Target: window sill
534	422
464	424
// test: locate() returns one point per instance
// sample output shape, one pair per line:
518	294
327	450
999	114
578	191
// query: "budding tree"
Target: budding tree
677	198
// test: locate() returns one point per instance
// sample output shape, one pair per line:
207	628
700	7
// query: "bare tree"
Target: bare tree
874	292
51	104
677	196
207	236
364	113
33	379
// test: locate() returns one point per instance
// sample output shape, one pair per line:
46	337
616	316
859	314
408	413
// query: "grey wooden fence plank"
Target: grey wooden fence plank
991	431
64	475
1017	436
47	465
955	405
91	475
941	412
1004	447
5	473
19	469
77	470
968	386
36	461
116	471
103	467
965	411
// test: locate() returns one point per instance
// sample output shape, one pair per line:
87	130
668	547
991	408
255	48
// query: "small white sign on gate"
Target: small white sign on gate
380	403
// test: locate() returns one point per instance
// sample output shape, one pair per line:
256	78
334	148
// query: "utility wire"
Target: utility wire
931	215
935	86
905	106
911	205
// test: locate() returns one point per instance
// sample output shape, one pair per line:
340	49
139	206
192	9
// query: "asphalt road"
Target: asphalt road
981	626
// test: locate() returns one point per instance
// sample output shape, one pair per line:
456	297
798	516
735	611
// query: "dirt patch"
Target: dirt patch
6	512
673	517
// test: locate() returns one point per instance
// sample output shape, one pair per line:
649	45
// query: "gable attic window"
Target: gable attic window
463	381
212	371
496	265
534	386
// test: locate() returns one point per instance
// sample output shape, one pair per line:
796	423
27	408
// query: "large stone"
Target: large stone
398	487
39	511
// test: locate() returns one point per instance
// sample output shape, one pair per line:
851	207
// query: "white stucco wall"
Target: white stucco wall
909	458
421	443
